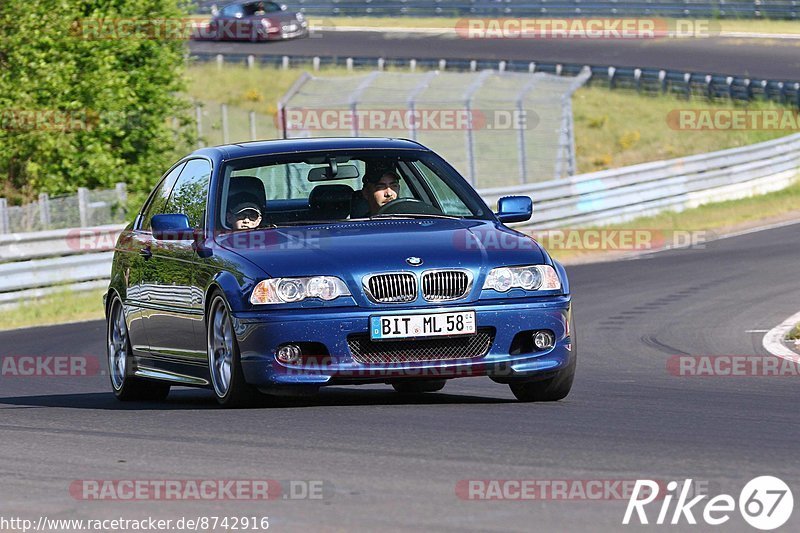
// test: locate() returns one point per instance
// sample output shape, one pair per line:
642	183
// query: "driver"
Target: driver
380	189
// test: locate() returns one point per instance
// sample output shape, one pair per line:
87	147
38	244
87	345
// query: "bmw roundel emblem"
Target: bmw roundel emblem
414	261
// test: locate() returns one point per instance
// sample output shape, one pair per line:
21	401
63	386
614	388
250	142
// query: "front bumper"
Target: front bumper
260	334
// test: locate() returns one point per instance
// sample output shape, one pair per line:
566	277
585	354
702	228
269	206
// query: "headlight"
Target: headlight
529	278
288	290
266	23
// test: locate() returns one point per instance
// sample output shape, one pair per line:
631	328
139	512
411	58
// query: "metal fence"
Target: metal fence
34	264
495	127
83	209
775	9
686	84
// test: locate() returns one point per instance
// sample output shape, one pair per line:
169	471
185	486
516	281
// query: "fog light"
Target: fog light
289	353
543	339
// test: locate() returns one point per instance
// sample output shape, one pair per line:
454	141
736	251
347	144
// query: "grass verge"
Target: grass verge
57	308
794	334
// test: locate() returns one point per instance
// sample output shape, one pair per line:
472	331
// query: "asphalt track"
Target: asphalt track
393	463
769	59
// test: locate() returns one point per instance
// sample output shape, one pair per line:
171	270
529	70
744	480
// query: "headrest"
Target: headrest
250	185
331	197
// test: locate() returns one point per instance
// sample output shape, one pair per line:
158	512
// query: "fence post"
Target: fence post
315	63
442	64
252	117
349	64
223	108
198	119
122	194
44	210
4	216
285	62
412	65
83	206
381	63
251	61
220	61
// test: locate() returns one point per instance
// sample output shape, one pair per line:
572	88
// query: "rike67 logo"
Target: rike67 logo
765	502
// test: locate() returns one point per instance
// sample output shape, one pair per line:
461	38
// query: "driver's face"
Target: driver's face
382	192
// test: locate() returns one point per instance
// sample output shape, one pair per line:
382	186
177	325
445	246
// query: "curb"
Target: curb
773	340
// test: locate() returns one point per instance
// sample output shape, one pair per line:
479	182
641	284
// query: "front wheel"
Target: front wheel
126	386
547	390
224	364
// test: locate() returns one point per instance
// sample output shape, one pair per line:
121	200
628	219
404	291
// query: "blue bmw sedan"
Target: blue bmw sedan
279	267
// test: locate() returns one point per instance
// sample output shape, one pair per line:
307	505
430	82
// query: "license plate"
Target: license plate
430	325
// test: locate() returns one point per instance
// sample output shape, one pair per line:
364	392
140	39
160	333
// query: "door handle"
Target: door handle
146	253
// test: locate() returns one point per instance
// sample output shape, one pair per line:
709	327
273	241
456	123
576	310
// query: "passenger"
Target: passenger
243	212
380	189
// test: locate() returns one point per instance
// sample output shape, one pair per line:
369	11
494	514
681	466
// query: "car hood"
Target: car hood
351	250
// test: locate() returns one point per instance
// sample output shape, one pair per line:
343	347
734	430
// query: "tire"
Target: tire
547	390
125	385
418	387
224	362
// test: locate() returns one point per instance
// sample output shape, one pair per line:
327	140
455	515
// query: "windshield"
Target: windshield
310	188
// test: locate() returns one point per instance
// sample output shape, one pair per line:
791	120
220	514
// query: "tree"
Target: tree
90	94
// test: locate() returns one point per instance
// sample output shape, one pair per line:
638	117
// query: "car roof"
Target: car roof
284	146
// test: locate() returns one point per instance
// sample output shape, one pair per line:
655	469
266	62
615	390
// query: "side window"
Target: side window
232	11
190	192
160	196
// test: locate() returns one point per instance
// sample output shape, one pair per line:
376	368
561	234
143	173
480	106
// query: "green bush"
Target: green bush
88	109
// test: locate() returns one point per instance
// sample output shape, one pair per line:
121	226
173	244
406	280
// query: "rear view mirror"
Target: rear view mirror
343	172
173	227
514	208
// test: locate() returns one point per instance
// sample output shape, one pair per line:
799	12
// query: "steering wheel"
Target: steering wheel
410	206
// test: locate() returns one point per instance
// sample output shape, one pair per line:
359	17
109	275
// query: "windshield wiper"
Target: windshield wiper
415	215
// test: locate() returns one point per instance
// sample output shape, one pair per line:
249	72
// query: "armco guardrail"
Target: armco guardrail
616	195
777	9
644	80
33	264
43	262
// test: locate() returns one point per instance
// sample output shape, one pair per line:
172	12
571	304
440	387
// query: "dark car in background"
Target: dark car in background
253	21
258	267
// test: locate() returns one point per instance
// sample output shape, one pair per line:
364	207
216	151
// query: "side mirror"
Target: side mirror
171	228
283	7
514	208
